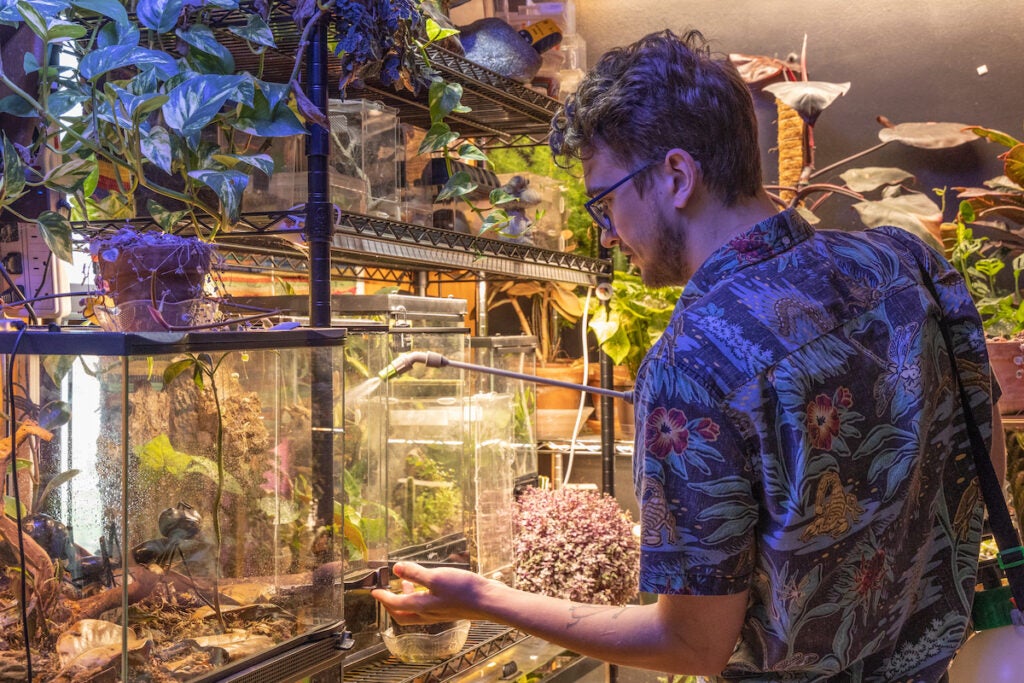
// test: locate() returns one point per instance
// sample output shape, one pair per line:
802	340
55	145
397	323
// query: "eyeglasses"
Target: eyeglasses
598	206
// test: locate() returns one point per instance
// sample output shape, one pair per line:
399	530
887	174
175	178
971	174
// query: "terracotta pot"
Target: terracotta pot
559	398
622	411
1007	360
158	267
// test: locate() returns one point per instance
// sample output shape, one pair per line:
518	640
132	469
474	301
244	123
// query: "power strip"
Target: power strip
35	271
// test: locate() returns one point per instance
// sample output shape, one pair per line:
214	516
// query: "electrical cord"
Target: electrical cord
12	427
12	287
584	324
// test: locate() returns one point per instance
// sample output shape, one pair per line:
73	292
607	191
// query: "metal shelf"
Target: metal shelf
272	242
485	640
504	112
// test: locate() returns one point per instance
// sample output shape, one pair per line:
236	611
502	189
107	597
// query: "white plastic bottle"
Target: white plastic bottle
995	652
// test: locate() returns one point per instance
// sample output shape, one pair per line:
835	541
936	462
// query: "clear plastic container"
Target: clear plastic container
424	644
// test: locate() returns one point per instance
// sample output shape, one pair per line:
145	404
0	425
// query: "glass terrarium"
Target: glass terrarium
503	441
364	163
184	490
514	353
421	413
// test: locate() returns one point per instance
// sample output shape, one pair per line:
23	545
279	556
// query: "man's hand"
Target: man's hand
432	595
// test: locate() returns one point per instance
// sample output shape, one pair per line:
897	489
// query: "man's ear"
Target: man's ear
684	174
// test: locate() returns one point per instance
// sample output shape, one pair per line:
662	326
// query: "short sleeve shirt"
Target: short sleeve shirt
800	435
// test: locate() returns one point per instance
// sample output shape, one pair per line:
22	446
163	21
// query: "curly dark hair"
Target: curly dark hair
664	92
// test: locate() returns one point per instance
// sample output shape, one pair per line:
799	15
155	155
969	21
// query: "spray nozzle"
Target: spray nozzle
404	363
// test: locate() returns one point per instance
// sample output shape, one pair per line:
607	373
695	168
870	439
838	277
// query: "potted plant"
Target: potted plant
987	232
625	327
143	118
151	114
575	544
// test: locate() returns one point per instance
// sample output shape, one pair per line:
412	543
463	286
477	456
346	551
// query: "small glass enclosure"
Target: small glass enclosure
184	490
423	466
504	451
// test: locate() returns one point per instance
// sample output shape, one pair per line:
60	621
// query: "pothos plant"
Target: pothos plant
140	107
142	103
632	320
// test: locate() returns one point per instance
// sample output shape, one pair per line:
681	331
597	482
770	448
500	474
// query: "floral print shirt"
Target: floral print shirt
800	435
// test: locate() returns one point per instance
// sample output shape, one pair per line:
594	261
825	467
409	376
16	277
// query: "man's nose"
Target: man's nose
609	238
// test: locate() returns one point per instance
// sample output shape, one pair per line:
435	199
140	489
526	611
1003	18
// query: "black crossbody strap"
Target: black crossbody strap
1011	554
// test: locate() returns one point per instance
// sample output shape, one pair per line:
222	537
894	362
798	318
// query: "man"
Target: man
807	509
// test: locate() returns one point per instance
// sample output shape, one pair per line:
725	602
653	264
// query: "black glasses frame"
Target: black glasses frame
596	206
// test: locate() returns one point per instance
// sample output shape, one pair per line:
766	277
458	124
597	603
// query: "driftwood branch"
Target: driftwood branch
142	584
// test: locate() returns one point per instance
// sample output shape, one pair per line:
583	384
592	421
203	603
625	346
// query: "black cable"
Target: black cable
12	430
17	290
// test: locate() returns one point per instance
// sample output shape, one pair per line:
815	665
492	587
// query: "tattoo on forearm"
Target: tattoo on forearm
578	613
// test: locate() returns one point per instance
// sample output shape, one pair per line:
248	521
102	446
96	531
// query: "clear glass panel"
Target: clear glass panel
188	497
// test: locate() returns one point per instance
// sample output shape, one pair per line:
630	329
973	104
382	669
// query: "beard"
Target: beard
667	265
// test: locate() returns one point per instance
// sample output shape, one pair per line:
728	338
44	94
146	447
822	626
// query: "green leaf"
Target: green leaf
261	162
166	220
494	221
69	176
156	147
16	105
200	38
997	136
499	196
11	508
56	232
55	482
159	455
35	21
1013	164
64	100
29	64
229	186
115	33
255	31
967	213
436	32
159	15
91	181
470	152
104	8
177	367
458	185
437	138
443	99
12	184
98	62
137	106
59	31
193	104
208	468
269	116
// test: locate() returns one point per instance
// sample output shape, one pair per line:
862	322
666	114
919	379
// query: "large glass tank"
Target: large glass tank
181	502
423	463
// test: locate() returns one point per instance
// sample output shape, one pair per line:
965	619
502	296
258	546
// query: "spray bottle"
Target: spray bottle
994	653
